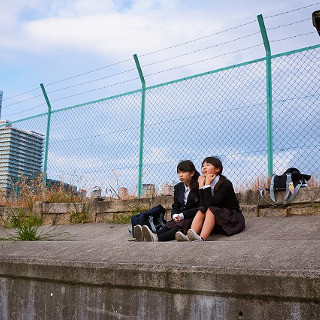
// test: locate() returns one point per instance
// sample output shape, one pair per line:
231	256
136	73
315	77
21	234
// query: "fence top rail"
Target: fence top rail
168	83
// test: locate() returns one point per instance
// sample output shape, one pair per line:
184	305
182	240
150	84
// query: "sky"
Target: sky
83	50
48	41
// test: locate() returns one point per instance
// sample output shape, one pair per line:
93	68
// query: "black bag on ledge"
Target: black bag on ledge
154	219
290	181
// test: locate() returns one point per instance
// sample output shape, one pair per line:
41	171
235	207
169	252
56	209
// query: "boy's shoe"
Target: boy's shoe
148	235
193	236
180	236
138	233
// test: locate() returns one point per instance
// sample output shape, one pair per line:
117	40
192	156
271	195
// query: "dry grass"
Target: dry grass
314	181
25	193
264	182
256	184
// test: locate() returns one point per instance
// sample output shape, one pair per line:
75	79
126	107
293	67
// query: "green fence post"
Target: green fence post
47	136
143	99
269	93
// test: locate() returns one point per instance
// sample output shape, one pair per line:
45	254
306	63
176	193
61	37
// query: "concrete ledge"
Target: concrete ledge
287	285
269	271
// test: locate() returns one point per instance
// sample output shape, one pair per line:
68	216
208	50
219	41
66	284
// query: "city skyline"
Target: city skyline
21	154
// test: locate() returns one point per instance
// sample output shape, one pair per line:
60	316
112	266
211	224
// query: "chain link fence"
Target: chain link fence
223	113
296	117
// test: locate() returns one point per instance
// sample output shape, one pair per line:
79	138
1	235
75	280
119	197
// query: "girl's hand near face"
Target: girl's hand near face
210	178
201	181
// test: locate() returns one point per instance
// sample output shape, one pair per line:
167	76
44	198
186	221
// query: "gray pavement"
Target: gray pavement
278	243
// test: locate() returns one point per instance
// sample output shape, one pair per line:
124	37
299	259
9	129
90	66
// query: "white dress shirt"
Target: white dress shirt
185	199
212	185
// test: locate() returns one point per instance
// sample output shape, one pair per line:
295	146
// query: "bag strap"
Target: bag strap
272	196
288	182
288	195
267	201
296	189
153	227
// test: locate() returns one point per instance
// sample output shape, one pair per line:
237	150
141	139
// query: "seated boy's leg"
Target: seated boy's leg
198	222
208	225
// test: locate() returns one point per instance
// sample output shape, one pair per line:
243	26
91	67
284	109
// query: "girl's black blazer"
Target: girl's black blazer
224	196
189	209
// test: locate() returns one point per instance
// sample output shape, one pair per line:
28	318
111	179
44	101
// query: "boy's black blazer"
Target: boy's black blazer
189	209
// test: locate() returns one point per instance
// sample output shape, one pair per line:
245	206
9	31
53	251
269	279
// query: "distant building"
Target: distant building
96	192
1	96
60	184
166	190
123	193
82	193
148	190
21	154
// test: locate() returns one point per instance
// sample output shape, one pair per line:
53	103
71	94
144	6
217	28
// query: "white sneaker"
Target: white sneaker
181	236
148	235
193	236
137	231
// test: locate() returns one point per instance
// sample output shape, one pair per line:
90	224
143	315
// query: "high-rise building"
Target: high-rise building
96	192
21	154
123	193
1	96
148	190
166	190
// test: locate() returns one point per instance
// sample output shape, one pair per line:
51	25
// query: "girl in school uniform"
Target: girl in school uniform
219	208
184	208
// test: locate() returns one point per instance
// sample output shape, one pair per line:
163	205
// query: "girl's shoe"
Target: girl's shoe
138	233
193	236
180	236
148	235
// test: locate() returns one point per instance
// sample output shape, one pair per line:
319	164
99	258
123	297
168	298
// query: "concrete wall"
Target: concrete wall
31	290
306	202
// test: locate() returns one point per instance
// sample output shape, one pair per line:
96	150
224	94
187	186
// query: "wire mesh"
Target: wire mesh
94	147
296	117
220	114
223	113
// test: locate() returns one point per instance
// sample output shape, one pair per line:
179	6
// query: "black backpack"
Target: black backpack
290	181
154	218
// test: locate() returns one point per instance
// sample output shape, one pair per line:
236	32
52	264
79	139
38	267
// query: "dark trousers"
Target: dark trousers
167	234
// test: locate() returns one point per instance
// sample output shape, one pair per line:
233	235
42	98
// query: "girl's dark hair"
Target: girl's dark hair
215	162
187	165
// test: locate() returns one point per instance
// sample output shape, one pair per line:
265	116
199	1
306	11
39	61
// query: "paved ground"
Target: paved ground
278	243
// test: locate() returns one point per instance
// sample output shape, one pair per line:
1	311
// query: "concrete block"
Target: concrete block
302	210
104	217
62	218
49	219
305	195
248	197
315	194
37	209
273	212
249	210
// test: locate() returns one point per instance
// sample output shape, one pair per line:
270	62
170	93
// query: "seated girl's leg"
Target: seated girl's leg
208	225
162	230
197	222
169	234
